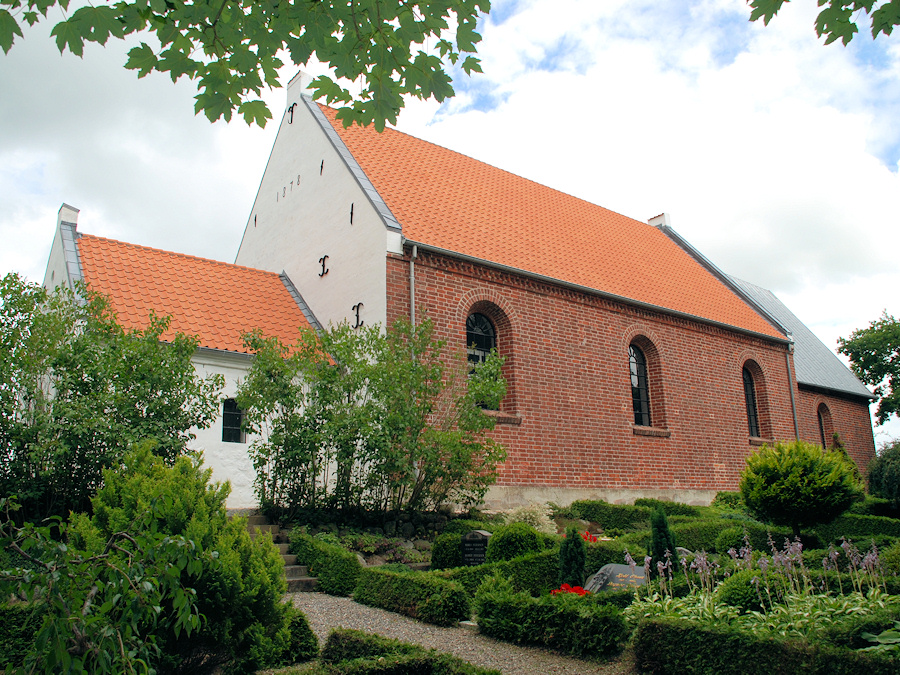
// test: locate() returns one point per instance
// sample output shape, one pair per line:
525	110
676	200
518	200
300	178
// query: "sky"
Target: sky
776	156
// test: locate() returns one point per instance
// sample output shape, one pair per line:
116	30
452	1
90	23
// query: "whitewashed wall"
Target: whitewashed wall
302	213
229	461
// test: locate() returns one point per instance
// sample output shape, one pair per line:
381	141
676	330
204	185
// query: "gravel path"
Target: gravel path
325	612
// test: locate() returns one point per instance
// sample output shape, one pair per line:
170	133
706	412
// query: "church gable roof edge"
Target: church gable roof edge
390	221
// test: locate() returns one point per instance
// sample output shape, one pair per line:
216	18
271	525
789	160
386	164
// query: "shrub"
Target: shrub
741	591
239	591
446	552
729	500
354	652
890	559
534	573
536	515
670	508
602	553
857	528
875	506
513	541
420	595
565	622
304	645
700	535
613	516
672	647
571	558
798	485
336	568
884	473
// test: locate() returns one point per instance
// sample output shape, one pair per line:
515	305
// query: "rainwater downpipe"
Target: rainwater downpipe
412	285
787	361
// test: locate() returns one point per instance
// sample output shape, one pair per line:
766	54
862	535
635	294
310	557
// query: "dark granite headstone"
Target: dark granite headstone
474	547
615	578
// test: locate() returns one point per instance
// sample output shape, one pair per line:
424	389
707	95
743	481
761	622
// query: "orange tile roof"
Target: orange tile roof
450	201
215	301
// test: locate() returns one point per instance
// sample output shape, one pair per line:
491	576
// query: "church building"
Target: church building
635	367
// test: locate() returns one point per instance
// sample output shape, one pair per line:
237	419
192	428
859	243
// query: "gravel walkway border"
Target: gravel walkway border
325	612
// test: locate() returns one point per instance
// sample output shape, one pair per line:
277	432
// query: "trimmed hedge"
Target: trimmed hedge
566	622
600	553
352	651
612	516
304	645
535	574
18	626
464	526
875	506
422	596
856	527
336	568
673	647
671	508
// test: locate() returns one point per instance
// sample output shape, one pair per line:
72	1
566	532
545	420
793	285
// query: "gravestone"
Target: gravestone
474	547
614	577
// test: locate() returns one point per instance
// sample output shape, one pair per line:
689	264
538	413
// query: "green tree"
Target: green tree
365	419
838	18
234	48
884	473
798	485
874	354
76	389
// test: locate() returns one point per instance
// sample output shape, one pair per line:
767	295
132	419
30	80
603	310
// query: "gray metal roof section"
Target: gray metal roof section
68	233
815	364
301	303
389	220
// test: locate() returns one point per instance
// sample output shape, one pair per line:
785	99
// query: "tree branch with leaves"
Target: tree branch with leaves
234	48
838	18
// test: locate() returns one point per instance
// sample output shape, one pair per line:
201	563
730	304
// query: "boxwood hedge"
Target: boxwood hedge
420	595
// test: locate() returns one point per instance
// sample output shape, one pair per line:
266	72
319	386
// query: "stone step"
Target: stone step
296	571
302	585
257	520
289	559
283	548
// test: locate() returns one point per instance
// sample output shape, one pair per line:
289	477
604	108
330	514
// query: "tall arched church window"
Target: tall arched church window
481	337
750	402
826	427
640	388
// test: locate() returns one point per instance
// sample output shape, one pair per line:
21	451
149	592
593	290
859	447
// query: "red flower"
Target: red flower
566	588
587	536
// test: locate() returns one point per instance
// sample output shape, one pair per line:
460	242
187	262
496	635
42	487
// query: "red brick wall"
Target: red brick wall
849	417
567	367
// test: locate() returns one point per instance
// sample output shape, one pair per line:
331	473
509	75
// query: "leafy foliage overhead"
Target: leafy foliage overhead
874	354
838	18
234	48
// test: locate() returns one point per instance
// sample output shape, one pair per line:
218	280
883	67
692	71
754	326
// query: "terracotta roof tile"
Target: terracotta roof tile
448	200
215	301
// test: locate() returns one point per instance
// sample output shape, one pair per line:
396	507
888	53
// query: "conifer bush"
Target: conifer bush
662	542
239	591
572	558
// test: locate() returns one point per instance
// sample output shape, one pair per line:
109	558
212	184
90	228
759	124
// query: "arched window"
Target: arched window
826	428
481	337
750	402
640	388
